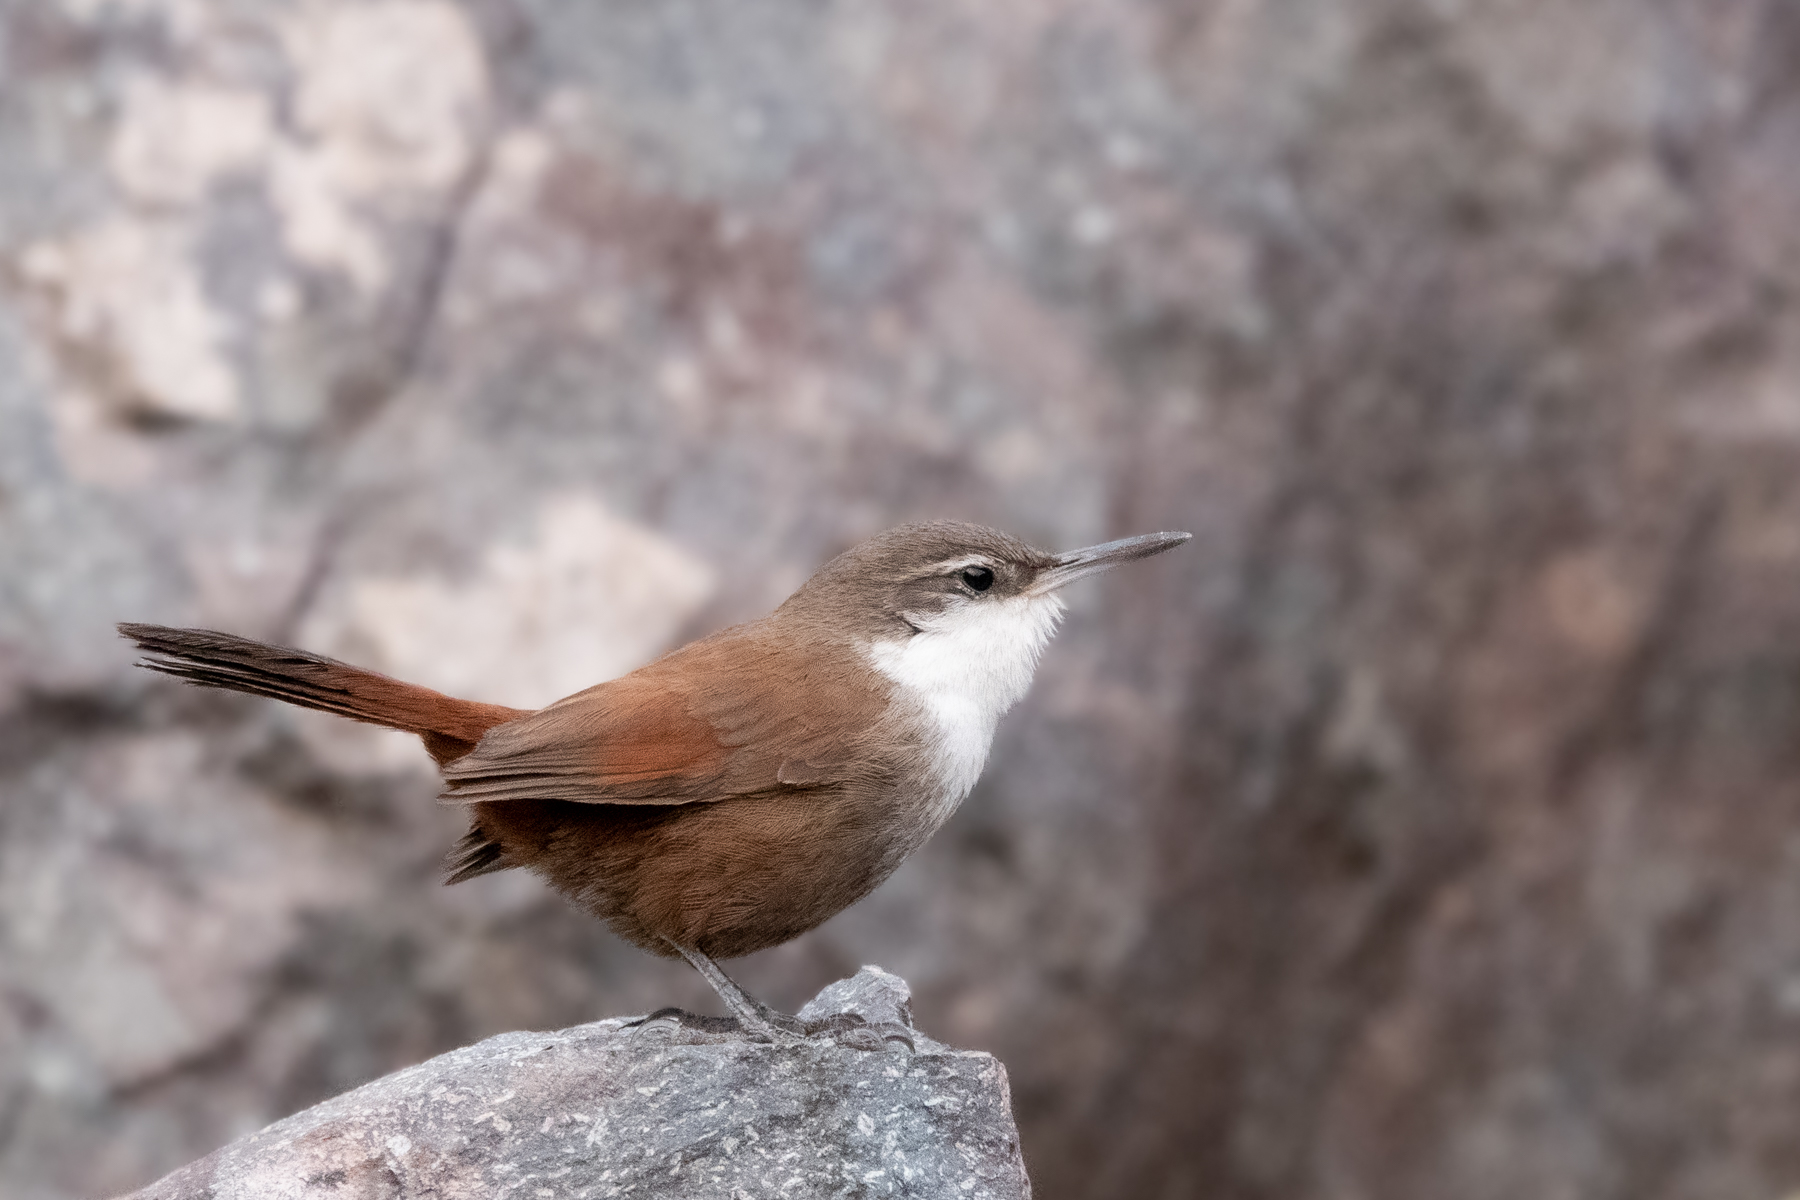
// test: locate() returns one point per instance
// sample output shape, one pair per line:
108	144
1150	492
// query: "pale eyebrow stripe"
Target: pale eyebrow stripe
957	564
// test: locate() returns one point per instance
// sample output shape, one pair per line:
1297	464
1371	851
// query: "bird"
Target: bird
737	791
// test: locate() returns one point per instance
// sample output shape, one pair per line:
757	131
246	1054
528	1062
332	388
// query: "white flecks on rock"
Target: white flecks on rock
717	1080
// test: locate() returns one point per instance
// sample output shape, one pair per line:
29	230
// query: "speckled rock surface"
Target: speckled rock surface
666	1105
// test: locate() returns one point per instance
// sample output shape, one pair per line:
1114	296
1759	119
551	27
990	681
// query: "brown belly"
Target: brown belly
728	877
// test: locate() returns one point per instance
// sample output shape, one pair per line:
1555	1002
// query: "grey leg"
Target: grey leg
755	1016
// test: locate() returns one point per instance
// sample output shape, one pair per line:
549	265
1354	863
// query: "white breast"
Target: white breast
965	669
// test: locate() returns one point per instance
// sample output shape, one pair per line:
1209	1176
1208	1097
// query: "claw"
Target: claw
855	1033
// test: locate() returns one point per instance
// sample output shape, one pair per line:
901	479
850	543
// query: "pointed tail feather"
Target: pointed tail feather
450	727
474	855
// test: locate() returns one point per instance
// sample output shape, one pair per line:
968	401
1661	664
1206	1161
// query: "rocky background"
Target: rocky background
1429	827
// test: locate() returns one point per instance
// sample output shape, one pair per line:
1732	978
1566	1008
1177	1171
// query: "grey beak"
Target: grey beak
1077	564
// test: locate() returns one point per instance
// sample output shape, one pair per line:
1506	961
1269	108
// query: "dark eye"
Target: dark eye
979	578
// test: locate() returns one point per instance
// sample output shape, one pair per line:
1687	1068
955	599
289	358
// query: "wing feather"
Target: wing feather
728	716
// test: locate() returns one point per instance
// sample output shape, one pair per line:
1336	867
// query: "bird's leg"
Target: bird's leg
753	1015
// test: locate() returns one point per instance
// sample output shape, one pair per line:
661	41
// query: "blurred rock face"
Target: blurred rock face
1425	828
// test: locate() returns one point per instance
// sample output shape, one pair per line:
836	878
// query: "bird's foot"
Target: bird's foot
855	1033
764	1024
757	1019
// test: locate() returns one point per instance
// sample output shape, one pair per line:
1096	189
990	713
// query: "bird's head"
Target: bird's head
955	610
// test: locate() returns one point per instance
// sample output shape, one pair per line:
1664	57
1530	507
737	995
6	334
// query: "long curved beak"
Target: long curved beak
1077	564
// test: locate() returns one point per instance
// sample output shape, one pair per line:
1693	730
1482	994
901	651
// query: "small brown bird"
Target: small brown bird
739	791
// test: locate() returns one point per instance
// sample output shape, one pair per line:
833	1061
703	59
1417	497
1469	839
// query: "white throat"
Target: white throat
964	669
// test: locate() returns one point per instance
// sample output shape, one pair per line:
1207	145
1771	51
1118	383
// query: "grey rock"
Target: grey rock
669	1104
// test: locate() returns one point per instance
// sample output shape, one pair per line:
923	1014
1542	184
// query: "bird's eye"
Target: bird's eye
979	578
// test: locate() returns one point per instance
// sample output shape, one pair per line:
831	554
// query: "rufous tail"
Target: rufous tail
450	727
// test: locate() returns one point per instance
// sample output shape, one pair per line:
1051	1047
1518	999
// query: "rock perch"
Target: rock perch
669	1105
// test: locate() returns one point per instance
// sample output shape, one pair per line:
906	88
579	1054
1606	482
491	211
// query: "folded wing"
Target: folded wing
728	716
